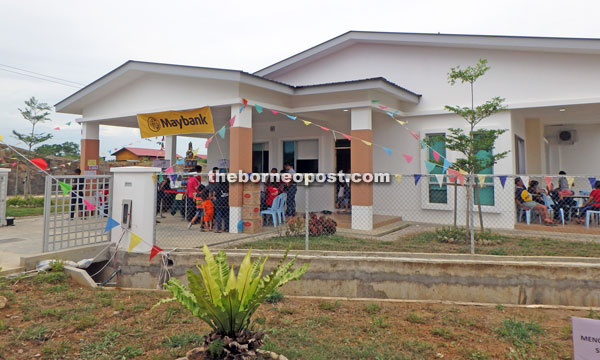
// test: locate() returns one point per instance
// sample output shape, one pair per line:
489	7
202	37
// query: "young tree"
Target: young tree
66	149
476	145
34	112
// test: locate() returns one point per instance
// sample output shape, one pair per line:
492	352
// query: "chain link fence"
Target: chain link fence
556	205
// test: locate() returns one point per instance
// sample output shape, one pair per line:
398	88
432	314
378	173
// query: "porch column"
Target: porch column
534	146
361	161
240	158
171	149
90	144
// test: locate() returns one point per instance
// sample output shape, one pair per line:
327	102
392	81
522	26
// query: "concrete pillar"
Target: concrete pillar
3	194
534	145
90	144
240	158
135	183
171	149
361	161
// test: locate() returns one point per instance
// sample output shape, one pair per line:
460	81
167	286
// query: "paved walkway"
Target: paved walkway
26	237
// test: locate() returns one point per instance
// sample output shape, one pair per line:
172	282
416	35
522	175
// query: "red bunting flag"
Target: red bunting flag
245	101
407	157
382	107
548	180
275	112
324	128
39	162
89	205
453	175
436	155
57	128
155	250
347	136
232	120
13	164
208	142
414	134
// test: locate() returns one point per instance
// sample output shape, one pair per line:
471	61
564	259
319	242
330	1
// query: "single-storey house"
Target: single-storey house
347	84
129	153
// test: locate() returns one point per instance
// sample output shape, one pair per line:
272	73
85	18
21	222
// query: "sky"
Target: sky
80	41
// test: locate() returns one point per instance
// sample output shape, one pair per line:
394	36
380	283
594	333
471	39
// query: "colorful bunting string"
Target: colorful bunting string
134	241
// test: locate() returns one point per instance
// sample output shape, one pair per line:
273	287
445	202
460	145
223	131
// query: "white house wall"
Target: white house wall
410	201
521	77
581	158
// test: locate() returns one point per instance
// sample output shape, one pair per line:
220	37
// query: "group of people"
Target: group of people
211	202
270	190
534	198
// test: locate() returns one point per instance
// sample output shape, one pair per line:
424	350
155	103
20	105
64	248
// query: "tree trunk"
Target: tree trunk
455	204
468	208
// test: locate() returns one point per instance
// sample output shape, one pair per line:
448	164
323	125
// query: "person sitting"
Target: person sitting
271	193
561	196
536	194
592	203
524	201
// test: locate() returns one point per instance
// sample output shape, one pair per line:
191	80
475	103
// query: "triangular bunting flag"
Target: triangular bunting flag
436	155
388	151
13	164
1	138
398	178
374	101
347	136
57	128
571	180
417	178
275	112
502	180
447	164
306	122
169	170
154	178
110	223
173	178
324	128
367	142
232	120
525	180
592	181
134	241
423	145
481	179
390	114
69	123
548	181
414	134
39	162
440	179
207	144
402	122
452	175
461	178
66	188
245	101
221	132
429	166
291	117
89	205
242	108
407	157
259	109
155	250
382	107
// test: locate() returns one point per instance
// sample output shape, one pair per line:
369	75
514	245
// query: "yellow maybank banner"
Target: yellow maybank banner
176	122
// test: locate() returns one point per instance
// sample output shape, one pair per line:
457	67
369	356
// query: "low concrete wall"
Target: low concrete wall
480	278
29	262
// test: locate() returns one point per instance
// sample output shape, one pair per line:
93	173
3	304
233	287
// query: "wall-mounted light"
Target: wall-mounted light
563	109
346	110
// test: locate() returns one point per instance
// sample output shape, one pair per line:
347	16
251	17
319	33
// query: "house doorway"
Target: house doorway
260	157
341	196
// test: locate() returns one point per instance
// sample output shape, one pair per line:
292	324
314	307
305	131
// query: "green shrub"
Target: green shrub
518	332
183	340
328	306
222	300
274	297
295	226
30	201
50	277
372	308
415	319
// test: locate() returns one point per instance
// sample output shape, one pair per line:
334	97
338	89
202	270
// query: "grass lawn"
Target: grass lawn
24	211
427	242
49	316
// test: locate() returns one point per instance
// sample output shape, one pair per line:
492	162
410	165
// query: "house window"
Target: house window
486	192
520	155
302	154
260	157
437	194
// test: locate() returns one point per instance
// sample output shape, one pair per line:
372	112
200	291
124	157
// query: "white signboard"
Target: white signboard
586	339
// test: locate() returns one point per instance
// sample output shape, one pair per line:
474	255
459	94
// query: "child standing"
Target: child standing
209	210
199	198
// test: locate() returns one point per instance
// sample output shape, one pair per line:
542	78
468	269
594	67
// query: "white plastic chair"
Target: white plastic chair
274	209
549	203
589	214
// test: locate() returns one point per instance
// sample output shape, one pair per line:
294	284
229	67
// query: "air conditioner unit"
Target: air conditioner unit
567	137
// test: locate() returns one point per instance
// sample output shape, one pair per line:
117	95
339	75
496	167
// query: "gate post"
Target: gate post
135	183
3	193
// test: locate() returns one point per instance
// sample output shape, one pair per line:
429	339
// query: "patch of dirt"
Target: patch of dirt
55	319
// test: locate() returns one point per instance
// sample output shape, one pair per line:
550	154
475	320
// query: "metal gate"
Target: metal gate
76	217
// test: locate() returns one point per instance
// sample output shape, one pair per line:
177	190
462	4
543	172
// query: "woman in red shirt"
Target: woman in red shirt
592	203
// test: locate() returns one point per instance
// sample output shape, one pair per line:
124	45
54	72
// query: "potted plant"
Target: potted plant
226	302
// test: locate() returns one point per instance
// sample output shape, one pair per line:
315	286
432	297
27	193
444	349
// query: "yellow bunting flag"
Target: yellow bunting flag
398	178
134	241
481	179
402	122
571	180
306	122
1	138
366	142
462	171
153	178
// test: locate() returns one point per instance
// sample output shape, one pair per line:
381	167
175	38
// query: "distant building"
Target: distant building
138	154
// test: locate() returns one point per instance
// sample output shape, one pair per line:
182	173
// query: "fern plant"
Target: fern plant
225	301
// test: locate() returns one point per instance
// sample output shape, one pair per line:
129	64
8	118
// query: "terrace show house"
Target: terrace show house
550	86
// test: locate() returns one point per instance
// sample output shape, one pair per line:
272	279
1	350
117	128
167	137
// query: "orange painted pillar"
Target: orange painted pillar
90	145
240	158
361	161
